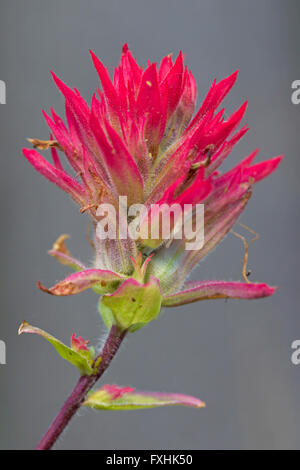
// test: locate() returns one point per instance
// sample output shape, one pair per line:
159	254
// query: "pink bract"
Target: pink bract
138	138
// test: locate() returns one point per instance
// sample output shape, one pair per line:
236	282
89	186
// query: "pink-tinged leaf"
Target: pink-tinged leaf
112	397
82	359
80	281
63	256
67	260
206	290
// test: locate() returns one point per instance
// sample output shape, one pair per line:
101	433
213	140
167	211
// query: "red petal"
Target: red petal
261	170
215	96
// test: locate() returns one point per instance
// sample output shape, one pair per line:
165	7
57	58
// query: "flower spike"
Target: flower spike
136	157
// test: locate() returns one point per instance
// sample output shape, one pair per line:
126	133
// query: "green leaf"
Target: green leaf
82	361
112	397
132	305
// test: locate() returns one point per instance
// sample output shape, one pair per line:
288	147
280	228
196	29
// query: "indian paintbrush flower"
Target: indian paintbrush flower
138	138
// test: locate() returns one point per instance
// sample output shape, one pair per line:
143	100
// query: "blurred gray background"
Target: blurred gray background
234	355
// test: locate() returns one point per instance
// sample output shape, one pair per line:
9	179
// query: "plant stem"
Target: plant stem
84	384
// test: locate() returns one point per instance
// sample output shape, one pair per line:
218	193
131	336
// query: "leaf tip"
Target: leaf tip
23	327
43	288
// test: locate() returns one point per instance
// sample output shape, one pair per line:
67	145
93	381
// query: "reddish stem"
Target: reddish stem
84	384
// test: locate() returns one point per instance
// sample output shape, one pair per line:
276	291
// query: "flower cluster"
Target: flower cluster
138	138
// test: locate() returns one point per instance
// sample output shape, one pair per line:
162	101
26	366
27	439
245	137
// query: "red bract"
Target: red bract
79	344
138	139
116	392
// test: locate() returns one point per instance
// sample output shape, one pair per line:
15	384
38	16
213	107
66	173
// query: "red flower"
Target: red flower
138	139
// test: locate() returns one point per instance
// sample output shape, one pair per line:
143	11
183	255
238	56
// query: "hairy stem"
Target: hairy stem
84	384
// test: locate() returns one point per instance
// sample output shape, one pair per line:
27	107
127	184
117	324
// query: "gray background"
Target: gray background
235	355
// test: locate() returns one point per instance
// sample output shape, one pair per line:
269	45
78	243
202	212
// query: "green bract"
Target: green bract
132	305
83	360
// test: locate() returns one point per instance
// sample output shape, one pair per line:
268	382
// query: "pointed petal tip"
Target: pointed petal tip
228	81
54	76
46	116
180	56
125	48
279	158
95	59
22	327
262	170
43	288
270	290
31	155
60	84
243	107
275	162
234	75
92	53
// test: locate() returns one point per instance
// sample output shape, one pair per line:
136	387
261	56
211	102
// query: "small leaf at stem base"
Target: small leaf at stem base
112	397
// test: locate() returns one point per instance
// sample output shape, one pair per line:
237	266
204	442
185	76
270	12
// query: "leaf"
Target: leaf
205	290
112	397
79	360
103	280
61	253
132	305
